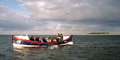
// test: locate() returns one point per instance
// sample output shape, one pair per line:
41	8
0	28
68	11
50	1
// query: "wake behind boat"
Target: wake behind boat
26	41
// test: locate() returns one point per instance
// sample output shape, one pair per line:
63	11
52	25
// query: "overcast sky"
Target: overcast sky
59	16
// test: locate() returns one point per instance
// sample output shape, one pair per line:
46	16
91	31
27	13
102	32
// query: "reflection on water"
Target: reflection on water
37	52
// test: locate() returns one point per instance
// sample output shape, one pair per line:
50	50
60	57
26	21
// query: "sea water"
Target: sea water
86	47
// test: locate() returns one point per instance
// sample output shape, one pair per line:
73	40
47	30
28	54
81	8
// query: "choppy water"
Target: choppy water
84	48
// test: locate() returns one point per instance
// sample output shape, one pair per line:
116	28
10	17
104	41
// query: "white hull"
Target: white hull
21	46
69	43
18	40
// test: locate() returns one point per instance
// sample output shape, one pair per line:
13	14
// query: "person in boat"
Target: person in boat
37	39
59	37
52	40
44	40
32	38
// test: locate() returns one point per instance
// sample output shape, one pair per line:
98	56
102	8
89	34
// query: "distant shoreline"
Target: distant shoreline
72	34
100	34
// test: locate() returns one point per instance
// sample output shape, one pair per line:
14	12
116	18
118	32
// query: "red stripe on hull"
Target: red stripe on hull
28	41
67	39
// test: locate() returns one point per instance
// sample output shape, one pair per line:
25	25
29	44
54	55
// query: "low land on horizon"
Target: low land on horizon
100	34
63	34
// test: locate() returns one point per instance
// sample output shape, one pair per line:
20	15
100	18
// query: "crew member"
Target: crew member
37	39
32	38
44	40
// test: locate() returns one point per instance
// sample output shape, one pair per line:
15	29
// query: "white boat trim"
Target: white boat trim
21	45
69	43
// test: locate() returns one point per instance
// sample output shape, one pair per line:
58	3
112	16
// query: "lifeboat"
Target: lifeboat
24	41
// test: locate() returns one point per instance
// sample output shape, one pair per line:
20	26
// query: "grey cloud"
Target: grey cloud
71	9
12	20
73	15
